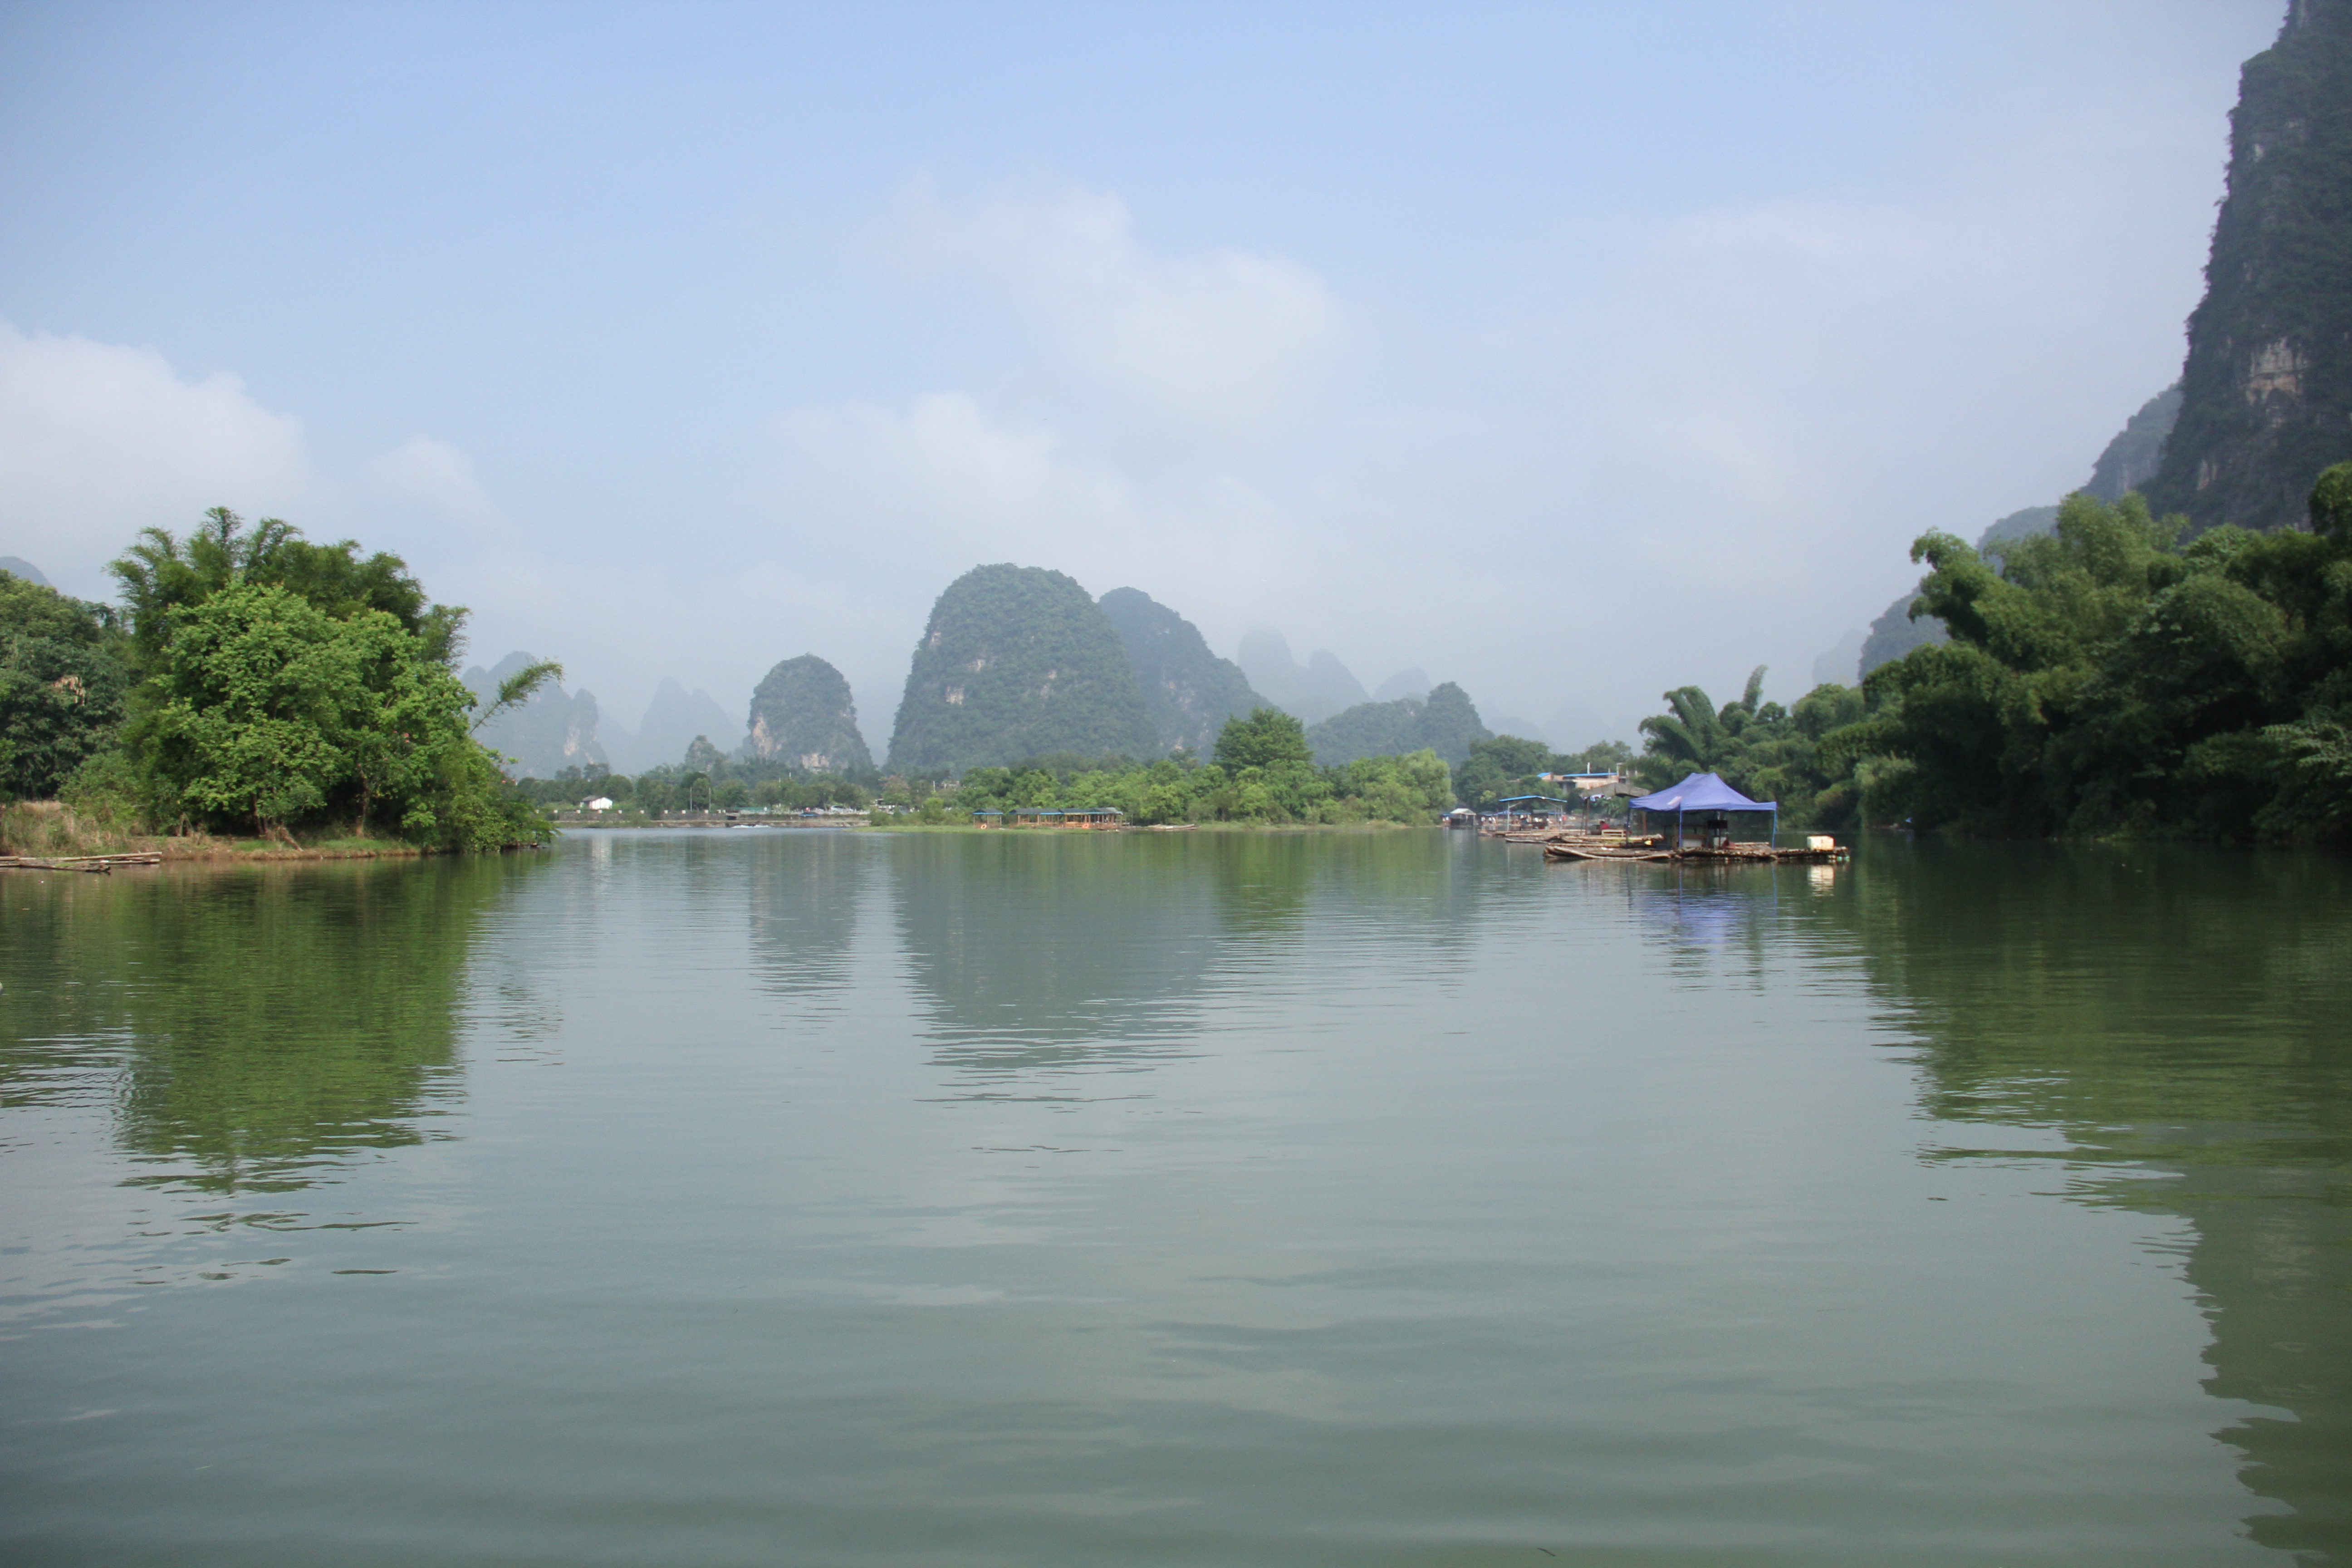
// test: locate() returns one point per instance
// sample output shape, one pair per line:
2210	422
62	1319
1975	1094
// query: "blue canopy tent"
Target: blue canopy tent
1707	793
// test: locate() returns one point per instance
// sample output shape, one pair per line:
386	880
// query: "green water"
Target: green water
821	1198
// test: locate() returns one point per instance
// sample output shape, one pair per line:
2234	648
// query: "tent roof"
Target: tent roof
1701	792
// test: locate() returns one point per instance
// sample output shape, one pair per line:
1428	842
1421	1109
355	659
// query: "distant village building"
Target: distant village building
597	803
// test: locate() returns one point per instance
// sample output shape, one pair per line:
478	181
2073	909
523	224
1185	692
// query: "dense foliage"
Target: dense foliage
2267	386
62	682
1015	661
262	683
1407	789
1263	738
725	783
803	716
2105	680
1446	721
1188	690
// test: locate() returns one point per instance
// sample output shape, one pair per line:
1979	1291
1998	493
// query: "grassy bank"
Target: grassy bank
47	829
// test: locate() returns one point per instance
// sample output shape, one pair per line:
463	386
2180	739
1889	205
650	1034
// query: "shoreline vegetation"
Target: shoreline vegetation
45	829
254	695
259	697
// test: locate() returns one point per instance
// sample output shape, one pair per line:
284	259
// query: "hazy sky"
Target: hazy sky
1568	351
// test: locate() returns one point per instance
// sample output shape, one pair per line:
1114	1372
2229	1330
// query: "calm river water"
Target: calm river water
804	1197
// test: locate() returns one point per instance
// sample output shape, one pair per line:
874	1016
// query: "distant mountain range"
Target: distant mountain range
1016	662
1310	692
553	730
1188	690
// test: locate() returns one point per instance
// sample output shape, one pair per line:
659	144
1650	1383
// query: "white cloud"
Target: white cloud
1226	344
439	475
98	441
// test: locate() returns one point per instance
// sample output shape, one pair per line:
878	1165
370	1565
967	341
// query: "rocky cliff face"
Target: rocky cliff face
1189	691
801	715
1018	662
2266	393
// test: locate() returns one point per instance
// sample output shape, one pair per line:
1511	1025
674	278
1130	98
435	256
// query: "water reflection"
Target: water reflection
1036	952
248	1029
2178	1016
1091	957
805	888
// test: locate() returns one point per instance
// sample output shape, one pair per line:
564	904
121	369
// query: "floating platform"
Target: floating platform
1722	855
98	864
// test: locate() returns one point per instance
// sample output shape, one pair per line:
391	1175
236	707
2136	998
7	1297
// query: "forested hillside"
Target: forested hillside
1188	690
1017	662
1446	723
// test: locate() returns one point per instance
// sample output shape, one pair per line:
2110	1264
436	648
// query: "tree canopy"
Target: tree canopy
62	684
262	682
2105	679
1263	738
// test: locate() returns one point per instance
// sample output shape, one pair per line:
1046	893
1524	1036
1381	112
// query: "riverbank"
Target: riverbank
913	826
44	829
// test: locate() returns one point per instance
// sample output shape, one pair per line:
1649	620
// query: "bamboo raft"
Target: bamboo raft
98	865
1720	855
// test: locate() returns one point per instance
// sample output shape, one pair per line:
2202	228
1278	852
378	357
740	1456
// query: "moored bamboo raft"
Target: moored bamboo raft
98	864
1718	855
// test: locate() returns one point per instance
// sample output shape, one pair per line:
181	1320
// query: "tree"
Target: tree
2104	681
1263	737
62	683
160	573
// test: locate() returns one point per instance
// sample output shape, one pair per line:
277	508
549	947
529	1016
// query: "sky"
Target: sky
1571	352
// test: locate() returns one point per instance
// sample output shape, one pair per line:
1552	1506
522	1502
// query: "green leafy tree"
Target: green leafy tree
284	683
62	685
1263	738
2104	681
160	573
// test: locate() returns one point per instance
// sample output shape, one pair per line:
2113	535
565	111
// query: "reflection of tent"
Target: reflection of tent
1707	793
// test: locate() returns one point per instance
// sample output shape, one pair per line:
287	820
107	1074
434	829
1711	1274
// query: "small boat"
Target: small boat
1562	849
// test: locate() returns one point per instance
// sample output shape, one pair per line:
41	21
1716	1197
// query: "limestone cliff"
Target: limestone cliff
1018	661
2266	392
801	715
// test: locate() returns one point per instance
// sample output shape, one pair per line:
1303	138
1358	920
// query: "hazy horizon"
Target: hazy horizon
1568	353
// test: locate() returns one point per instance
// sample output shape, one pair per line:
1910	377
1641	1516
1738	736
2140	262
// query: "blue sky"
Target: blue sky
1571	351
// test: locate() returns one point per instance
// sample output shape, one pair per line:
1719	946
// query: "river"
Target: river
1383	1198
